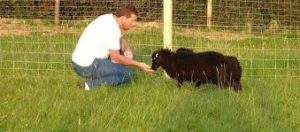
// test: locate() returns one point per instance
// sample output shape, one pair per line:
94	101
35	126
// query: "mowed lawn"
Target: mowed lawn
39	92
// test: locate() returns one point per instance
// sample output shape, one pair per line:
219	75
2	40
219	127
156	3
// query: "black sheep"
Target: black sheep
199	68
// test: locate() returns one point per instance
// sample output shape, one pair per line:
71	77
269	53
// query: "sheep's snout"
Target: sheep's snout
154	65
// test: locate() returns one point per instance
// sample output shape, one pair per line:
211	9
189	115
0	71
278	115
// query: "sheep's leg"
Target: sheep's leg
221	75
198	84
179	79
236	86
179	83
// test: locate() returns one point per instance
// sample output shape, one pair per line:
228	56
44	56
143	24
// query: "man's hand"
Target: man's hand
115	57
145	68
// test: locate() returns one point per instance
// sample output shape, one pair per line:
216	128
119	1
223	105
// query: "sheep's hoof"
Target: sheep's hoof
237	87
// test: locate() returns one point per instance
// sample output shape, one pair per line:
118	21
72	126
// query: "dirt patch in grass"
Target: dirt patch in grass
154	24
196	33
10	27
215	35
16	27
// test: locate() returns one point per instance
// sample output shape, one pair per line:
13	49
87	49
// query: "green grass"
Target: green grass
38	89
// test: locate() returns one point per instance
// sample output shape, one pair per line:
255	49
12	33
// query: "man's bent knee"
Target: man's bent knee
127	75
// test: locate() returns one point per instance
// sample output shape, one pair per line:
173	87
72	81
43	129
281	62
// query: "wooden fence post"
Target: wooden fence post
56	18
167	33
167	27
209	13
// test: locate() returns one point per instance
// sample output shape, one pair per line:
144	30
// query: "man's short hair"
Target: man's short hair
126	11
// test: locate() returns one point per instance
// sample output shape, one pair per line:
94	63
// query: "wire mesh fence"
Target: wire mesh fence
264	35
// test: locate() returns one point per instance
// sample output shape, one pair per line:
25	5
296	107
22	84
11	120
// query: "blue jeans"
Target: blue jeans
103	71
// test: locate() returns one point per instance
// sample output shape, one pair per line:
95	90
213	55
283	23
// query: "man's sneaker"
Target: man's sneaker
83	85
86	86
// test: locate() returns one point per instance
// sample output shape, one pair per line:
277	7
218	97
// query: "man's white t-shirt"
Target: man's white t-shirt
97	39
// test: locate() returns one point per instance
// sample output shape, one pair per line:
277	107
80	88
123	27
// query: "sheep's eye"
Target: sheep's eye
156	55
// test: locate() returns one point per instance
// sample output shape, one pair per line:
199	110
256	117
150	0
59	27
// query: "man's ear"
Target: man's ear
122	18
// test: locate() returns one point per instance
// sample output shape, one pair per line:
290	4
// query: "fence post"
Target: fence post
209	13
167	33
56	18
167	27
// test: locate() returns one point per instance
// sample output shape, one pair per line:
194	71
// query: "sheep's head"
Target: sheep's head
158	58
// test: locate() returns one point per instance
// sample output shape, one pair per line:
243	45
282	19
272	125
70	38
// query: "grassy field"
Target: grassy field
38	89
